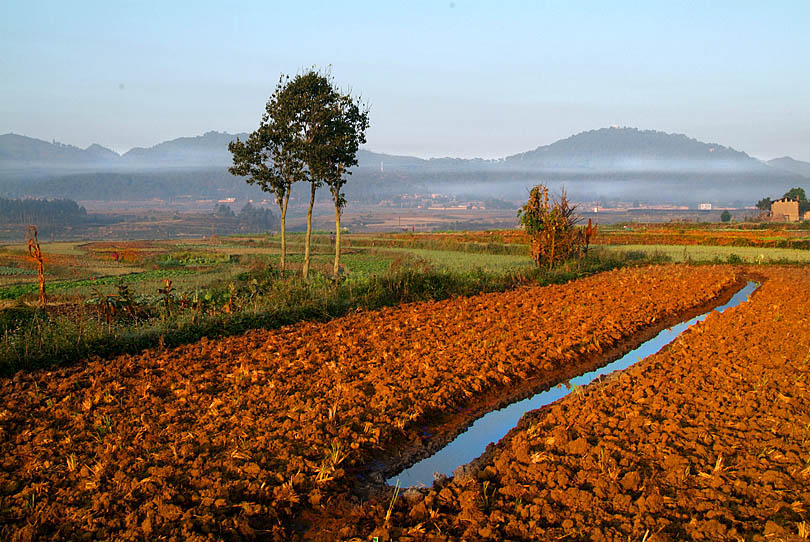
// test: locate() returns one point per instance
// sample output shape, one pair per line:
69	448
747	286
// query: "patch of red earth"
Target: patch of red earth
707	440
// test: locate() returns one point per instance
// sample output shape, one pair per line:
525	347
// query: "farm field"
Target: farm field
774	235
706	440
702	253
738	243
273	408
75	268
269	432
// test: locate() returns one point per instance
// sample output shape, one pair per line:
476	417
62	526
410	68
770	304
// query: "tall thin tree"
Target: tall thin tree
347	125
271	157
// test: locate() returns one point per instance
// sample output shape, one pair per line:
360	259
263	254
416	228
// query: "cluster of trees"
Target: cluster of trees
250	218
56	212
309	133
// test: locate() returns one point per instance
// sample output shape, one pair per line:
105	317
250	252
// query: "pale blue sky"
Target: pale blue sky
460	79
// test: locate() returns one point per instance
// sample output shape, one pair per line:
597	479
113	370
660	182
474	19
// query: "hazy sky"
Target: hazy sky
455	78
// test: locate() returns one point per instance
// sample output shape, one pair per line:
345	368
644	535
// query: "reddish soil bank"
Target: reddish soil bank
643	235
266	435
707	440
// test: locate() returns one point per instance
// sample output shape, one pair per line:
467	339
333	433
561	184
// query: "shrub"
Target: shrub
551	225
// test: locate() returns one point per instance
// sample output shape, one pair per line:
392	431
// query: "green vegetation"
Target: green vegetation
47	213
551	225
19	290
764	204
15	271
456	261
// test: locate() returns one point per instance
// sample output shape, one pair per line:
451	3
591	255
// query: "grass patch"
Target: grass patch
20	290
466	261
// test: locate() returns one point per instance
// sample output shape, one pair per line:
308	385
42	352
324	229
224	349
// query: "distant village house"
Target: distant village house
785	210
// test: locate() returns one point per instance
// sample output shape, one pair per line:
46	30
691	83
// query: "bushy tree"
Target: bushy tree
223	210
346	129
552	227
256	219
310	132
796	193
764	204
799	194
725	216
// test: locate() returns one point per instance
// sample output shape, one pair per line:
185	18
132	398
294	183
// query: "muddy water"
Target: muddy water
496	424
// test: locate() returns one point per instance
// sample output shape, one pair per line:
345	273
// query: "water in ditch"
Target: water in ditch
495	425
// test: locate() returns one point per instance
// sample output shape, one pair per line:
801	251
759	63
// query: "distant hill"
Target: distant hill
607	164
630	149
786	163
21	151
207	150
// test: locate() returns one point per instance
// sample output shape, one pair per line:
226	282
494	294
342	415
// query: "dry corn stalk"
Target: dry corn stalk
35	252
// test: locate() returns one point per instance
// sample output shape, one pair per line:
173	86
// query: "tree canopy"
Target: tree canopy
764	204
796	193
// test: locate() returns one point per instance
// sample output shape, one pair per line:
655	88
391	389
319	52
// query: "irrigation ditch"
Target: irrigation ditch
460	442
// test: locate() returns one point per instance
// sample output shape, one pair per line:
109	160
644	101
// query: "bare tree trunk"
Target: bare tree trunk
309	230
284	231
337	239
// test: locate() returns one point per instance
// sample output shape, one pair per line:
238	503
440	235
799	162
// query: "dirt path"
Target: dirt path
266	435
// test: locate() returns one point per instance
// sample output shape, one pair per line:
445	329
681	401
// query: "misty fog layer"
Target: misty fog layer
603	166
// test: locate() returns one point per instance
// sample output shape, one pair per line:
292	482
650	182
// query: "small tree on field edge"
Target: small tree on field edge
552	227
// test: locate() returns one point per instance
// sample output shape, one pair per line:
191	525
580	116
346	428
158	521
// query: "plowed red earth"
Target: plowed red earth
264	435
707	440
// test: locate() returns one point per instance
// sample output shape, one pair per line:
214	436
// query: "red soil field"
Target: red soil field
671	235
493	236
706	440
277	434
775	236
